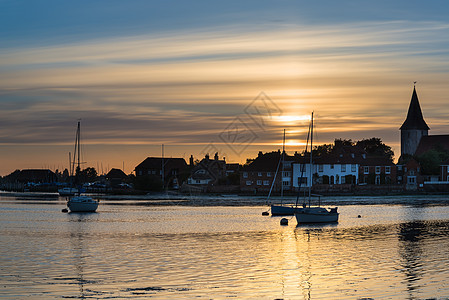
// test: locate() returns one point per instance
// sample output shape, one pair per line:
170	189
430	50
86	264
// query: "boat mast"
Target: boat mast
282	171
311	150
78	139
162	167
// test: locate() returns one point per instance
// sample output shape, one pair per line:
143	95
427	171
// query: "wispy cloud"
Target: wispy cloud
184	88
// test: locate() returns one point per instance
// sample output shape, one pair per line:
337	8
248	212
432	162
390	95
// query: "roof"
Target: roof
156	163
415	119
116	173
430	142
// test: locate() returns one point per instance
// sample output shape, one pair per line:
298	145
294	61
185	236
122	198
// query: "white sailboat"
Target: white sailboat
80	203
315	214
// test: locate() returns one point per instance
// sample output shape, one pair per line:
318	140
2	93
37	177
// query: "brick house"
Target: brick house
258	176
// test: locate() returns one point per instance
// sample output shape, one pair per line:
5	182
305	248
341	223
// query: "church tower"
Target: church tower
414	127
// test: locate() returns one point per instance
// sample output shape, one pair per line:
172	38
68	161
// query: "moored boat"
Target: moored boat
80	203
315	214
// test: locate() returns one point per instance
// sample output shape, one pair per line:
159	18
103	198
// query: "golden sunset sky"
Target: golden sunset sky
204	76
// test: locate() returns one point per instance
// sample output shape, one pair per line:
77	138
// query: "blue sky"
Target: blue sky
144	73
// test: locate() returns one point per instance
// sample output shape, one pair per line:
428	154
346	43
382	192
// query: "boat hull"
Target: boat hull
82	204
279	210
68	191
316	215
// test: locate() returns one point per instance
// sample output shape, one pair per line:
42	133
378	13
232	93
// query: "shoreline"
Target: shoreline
158	199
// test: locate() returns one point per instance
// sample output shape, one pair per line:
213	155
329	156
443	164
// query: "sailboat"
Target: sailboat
281	210
80	203
315	214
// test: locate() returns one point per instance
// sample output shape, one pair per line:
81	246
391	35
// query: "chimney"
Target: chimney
191	160
216	156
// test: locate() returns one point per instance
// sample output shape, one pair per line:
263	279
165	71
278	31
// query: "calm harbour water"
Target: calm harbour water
220	252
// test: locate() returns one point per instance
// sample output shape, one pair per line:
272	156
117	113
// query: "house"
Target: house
36	176
209	171
168	169
344	166
259	175
376	170
116	177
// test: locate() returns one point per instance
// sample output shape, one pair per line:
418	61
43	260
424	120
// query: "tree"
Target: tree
322	150
375	147
431	160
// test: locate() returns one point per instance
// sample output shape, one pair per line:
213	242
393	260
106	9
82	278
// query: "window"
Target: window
248	182
320	168
245	174
332	166
266	182
411	180
286	183
259	174
140	172
399	168
353	168
387	170
285	174
259	182
149	172
198	181
365	170
377	170
268	174
412	172
343	168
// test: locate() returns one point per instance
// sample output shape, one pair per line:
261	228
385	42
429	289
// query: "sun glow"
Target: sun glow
290	120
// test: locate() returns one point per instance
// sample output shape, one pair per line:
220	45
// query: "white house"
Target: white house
331	169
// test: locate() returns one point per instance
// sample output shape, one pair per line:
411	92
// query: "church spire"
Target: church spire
415	119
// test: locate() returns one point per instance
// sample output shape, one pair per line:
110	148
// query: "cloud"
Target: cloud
184	88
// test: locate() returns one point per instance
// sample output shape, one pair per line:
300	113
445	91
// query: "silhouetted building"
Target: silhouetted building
36	176
168	169
116	177
413	128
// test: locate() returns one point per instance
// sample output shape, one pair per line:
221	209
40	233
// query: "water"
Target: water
182	252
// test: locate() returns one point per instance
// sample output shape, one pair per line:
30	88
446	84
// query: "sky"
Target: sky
202	77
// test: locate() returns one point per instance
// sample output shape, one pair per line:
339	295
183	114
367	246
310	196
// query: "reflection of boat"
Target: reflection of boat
68	191
317	214
80	203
